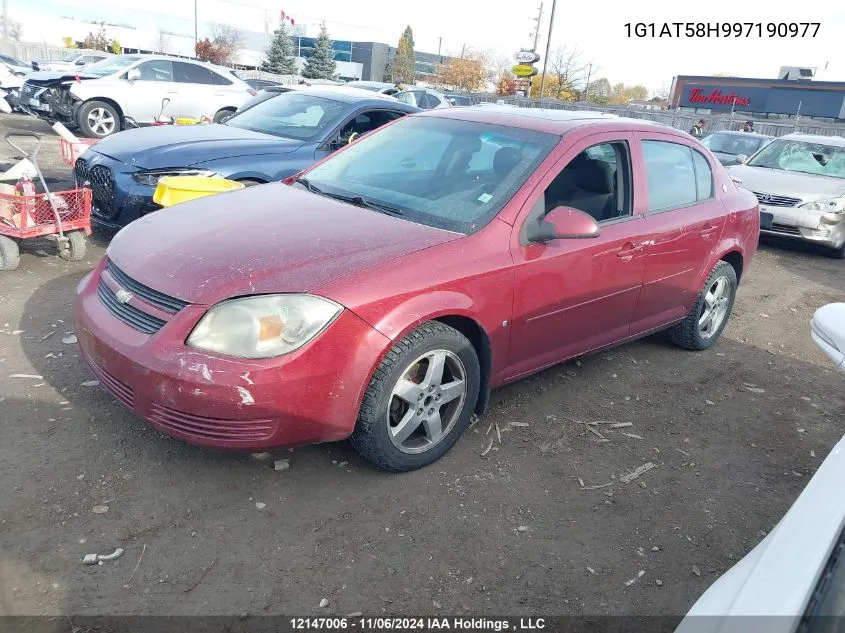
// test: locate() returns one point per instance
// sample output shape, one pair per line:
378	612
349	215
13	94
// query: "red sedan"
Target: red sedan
384	292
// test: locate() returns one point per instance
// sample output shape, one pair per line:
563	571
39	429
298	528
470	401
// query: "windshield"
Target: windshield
803	157
292	115
732	144
450	174
12	60
71	57
111	65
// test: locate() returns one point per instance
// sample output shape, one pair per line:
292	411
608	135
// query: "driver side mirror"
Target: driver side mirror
133	74
562	223
741	159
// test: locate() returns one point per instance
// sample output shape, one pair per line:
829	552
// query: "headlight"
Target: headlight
831	205
150	176
263	326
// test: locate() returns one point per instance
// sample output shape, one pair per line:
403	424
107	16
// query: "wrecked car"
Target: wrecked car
129	90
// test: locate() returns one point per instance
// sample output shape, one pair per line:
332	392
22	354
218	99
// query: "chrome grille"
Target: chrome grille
80	170
777	201
130	315
28	91
102	184
153	297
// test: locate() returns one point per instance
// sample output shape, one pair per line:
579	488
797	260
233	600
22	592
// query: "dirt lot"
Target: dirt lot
512	532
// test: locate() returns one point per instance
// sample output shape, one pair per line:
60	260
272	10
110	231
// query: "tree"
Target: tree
506	86
116	47
462	74
569	71
550	89
162	42
403	69
620	94
98	42
279	59
15	28
227	41
206	51
599	90
321	63
68	42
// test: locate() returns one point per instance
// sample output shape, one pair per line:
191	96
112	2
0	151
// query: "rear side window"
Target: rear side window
703	176
192	74
671	175
220	80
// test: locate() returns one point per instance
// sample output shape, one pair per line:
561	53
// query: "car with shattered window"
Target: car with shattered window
380	294
271	139
129	90
799	180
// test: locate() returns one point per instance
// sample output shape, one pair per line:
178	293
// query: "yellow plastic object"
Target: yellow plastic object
177	189
187	121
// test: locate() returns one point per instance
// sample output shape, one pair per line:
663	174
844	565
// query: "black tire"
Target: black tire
222	115
75	251
84	124
370	437
10	254
687	333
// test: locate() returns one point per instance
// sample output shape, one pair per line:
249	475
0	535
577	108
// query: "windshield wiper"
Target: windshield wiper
307	184
358	201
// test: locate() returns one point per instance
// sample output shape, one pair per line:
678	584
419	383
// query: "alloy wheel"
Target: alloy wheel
101	121
426	401
715	307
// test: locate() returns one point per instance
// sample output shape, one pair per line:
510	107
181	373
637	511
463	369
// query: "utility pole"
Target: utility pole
439	46
196	35
587	87
463	50
537	28
548	46
5	19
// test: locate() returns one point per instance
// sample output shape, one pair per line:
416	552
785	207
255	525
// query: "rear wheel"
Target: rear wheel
709	316
98	119
223	115
10	255
76	246
419	400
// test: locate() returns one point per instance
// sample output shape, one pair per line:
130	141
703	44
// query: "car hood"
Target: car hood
187	145
778	576
263	239
788	183
725	159
50	77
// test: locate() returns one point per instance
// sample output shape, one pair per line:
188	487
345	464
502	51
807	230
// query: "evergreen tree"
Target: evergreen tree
279	59
403	62
321	63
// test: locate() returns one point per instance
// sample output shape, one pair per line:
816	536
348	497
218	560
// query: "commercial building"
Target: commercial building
760	98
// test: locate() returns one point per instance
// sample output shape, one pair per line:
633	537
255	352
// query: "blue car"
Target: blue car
266	142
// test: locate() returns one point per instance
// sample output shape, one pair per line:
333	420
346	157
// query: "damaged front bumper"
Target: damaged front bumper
53	103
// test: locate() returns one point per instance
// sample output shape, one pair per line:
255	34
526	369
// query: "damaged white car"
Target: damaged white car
130	90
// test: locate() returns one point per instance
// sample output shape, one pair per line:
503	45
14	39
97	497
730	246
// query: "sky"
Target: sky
595	28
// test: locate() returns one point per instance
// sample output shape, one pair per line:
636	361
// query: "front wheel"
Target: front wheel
709	316
98	119
419	400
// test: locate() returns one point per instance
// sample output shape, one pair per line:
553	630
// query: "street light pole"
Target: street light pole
587	87
5	20
196	36
548	46
537	28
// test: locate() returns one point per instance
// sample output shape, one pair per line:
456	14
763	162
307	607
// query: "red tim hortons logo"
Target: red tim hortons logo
716	97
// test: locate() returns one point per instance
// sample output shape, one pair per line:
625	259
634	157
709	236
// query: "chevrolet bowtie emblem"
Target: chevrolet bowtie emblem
123	296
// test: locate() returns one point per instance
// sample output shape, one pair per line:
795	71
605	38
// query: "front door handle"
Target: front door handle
628	250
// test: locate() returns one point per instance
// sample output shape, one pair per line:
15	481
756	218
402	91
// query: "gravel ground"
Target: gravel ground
735	433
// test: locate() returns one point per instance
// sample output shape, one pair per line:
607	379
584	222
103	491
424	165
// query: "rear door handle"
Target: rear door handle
708	230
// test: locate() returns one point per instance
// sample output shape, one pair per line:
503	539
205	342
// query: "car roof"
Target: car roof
345	94
543	120
739	133
377	84
833	141
171	58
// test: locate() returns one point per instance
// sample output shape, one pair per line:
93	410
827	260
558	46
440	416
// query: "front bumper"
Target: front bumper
117	198
309	396
804	225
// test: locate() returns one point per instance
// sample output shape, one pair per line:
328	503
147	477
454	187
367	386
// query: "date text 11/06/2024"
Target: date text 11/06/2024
722	29
379	624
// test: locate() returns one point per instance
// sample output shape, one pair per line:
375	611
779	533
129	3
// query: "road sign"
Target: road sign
524	70
526	57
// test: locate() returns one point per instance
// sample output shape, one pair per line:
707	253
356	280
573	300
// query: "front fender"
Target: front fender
404	317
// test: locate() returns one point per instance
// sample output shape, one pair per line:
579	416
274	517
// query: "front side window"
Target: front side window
802	156
192	74
156	70
597	181
420	168
670	174
291	115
